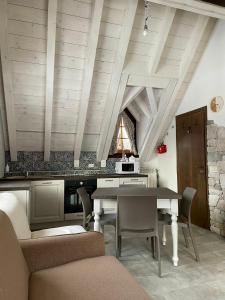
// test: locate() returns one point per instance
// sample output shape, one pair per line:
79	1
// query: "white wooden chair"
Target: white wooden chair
17	215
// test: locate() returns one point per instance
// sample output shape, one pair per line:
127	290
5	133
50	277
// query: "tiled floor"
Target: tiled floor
190	280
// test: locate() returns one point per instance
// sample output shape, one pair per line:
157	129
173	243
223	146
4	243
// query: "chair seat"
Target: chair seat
93	278
108	219
57	231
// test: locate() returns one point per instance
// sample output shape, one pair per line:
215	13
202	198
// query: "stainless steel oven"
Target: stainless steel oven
72	203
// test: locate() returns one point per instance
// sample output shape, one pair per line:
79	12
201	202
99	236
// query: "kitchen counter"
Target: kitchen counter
14	185
23	182
68	177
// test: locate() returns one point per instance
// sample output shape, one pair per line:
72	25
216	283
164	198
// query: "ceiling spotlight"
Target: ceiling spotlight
146	30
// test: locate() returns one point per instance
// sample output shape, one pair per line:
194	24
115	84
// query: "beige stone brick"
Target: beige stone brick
221	132
221	145
212	131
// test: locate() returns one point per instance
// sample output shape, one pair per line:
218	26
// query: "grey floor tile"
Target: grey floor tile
190	280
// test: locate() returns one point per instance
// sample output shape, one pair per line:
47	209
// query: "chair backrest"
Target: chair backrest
137	213
14	274
86	202
16	213
186	202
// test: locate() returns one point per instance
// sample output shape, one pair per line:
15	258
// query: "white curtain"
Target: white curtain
113	147
129	125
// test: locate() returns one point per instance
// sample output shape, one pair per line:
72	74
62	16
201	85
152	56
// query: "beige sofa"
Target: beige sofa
68	267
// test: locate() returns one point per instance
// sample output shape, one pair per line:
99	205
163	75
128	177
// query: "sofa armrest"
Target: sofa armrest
47	252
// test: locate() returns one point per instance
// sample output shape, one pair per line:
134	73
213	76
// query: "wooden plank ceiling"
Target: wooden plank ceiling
69	67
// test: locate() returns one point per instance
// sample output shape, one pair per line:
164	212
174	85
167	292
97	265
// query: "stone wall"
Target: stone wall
216	177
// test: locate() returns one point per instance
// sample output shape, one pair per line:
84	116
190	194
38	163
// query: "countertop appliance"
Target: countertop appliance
127	167
72	204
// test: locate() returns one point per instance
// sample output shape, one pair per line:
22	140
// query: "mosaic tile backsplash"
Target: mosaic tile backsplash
59	162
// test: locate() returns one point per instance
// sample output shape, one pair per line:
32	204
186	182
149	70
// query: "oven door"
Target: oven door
72	202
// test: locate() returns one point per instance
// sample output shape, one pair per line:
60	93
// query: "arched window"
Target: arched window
123	142
124	138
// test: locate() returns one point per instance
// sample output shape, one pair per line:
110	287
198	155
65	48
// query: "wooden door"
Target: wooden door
191	161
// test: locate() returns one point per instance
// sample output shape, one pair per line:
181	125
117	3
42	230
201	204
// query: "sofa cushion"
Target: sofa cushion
96	278
14	274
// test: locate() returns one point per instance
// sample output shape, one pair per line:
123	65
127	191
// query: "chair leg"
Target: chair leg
185	236
164	235
194	244
159	256
153	246
118	246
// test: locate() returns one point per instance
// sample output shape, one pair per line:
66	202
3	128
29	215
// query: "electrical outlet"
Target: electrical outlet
91	165
76	163
103	163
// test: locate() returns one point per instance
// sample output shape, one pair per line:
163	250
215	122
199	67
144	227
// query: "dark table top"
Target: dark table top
113	193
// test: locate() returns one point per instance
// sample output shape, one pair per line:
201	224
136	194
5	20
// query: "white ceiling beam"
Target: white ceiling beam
113	102
3	112
166	105
152	132
148	81
50	67
114	116
152	101
131	95
143	107
88	75
133	110
7	80
162	38
195	6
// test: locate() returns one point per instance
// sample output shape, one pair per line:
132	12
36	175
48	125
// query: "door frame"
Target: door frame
204	111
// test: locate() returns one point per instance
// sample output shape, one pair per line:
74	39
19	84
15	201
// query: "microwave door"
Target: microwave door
127	167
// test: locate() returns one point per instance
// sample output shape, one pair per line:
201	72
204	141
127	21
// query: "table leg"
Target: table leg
164	235
174	229
97	212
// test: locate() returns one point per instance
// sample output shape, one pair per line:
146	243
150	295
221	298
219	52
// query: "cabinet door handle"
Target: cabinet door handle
48	182
134	179
109	180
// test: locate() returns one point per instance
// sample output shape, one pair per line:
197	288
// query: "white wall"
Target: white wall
209	79
208	82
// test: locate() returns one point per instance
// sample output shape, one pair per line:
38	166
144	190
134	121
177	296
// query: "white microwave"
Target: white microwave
125	167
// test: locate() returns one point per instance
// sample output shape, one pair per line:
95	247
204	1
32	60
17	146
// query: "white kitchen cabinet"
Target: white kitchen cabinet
109	206
134	180
47	201
107	182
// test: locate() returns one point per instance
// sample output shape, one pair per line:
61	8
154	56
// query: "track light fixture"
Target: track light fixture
146	29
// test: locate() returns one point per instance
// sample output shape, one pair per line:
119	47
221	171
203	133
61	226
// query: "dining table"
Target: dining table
167	200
